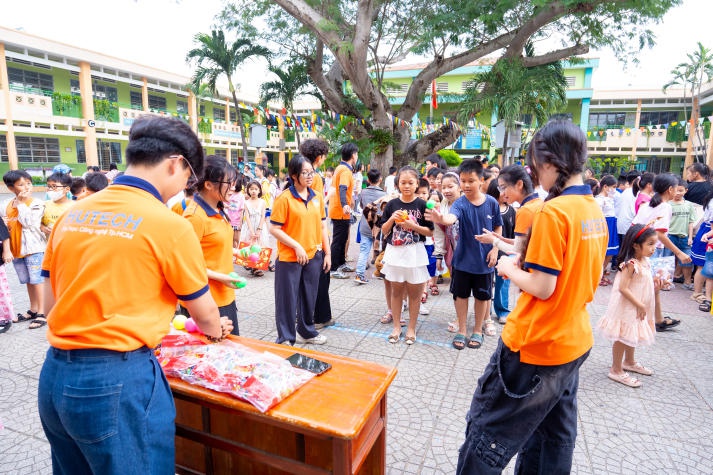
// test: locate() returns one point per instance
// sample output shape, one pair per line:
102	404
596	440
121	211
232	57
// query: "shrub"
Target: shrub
451	157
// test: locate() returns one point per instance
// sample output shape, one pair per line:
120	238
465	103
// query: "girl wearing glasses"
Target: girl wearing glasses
298	223
212	226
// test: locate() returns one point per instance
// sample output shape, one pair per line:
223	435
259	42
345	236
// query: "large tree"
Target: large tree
358	40
215	57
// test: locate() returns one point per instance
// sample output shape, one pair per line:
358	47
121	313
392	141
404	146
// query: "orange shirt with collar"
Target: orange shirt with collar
569	240
216	237
301	220
526	213
343	176
117	262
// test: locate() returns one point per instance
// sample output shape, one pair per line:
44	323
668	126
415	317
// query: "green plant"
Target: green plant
610	165
451	157
381	140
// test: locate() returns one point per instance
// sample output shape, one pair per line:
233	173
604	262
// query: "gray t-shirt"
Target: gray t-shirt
368	195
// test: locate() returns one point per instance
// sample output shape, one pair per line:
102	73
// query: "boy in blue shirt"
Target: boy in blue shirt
472	261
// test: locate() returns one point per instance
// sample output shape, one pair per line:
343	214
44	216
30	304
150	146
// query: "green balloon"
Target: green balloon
255	249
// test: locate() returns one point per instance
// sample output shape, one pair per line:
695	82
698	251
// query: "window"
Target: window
109	152
607	119
182	107
658	117
37	149
222	153
157	102
22	79
219	114
467	84
3	149
99	91
201	110
234	157
136	100
441	87
233	115
569	80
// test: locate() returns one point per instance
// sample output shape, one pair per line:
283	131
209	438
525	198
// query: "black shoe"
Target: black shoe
667	323
5	325
678	280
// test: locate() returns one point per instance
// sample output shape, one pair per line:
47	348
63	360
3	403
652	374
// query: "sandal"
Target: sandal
271	267
29	315
453	327
699	297
38	322
667	323
410	340
459	341
394	338
626	379
476	341
604	282
489	328
5	325
424	297
705	306
387	318
258	273
435	290
637	368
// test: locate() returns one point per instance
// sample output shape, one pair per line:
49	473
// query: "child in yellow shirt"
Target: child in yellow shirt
58	185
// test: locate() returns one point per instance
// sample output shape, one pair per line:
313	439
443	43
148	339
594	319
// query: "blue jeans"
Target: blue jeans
500	300
107	412
365	246
522	408
680	242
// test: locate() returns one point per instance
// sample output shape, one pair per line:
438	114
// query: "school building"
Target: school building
65	104
645	129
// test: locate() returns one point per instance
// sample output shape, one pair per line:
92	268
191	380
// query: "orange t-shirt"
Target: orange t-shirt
216	237
343	176
569	240
117	262
525	214
301	220
180	206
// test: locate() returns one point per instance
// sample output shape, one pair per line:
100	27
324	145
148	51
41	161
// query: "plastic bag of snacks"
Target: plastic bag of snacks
262	379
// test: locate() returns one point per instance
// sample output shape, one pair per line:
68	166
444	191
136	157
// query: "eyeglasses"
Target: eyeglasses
232	183
502	188
56	187
193	179
307	174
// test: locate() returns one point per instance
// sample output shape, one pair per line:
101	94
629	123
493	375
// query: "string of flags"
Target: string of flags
648	129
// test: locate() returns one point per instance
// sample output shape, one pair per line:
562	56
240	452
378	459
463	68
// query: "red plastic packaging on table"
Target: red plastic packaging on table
262	379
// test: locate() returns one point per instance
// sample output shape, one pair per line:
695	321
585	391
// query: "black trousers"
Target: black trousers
323	308
340	234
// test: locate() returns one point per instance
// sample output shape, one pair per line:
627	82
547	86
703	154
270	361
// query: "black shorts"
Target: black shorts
464	284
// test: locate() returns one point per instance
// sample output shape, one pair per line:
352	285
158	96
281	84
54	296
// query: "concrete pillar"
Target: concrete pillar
691	132
145	94
193	111
584	115
709	153
90	133
5	83
636	133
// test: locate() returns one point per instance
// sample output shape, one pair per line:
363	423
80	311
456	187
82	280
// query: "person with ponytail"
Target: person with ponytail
657	213
526	401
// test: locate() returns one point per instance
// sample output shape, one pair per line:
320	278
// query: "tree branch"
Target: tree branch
309	17
436	140
556	55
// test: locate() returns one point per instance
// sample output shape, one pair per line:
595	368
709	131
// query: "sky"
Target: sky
159	33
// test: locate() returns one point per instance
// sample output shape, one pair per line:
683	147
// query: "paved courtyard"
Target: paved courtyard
666	426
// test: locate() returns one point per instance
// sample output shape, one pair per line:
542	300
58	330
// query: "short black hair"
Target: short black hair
373	176
393	170
78	184
12	176
112	166
61	178
313	148
434	172
348	149
153	138
438	160
471	165
96	181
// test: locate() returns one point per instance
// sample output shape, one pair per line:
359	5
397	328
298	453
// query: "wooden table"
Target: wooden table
336	423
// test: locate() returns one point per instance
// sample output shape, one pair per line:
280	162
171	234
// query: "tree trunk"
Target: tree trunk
691	132
382	161
417	151
241	125
506	162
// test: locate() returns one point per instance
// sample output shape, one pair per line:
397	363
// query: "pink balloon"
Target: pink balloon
191	326
254	258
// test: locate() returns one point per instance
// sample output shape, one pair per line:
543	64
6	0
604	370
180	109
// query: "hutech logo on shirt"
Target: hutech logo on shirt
594	228
101	223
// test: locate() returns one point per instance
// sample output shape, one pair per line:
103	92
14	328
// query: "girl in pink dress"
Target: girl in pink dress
629	319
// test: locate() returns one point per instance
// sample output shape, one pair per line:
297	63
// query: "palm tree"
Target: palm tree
513	90
214	57
293	81
693	74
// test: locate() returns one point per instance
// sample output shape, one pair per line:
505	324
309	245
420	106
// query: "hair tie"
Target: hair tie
641	231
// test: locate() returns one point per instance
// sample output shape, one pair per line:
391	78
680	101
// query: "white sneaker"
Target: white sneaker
423	310
317	340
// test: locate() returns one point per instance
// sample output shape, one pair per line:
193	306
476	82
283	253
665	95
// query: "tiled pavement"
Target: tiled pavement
664	427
